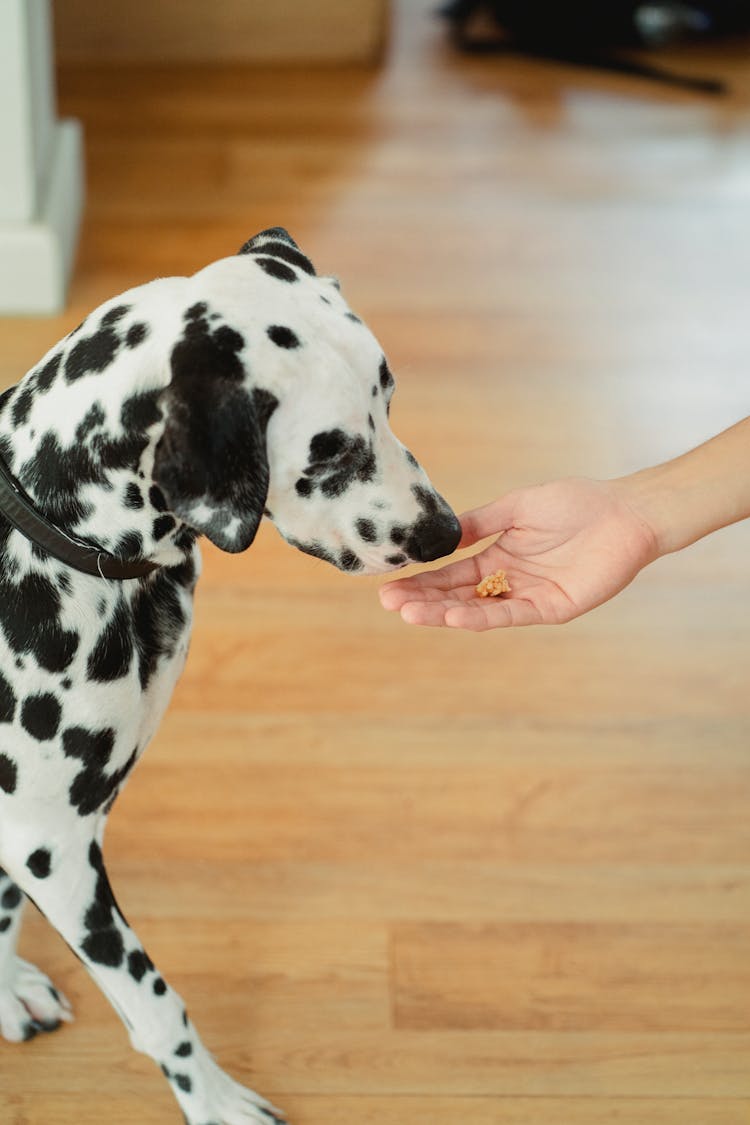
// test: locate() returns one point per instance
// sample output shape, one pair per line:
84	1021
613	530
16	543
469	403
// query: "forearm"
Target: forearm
695	494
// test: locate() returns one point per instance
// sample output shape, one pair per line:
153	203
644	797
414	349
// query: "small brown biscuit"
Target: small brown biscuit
494	585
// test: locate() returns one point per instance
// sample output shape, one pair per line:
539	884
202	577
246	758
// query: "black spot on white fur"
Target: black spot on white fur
337	460
11	897
283	337
137	333
366	530
30	620
386	378
47	374
39	863
7	701
139	963
40	716
349	561
22	404
8	774
133	497
111	657
93	787
96	353
103	943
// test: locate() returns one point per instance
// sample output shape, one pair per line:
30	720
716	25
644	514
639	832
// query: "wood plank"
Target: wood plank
372	789
528	976
181	31
423	890
579	670
313	1109
93	1058
530	815
385	740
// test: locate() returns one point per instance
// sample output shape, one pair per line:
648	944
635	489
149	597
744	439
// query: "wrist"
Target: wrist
695	494
651	498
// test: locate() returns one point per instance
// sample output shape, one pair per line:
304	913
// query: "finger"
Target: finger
391	596
423	613
438	597
491	519
500	613
471	614
465	572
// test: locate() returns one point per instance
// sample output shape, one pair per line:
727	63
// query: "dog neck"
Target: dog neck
82	450
22	515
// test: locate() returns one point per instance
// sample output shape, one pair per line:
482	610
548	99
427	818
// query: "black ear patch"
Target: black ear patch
277	243
202	350
211	461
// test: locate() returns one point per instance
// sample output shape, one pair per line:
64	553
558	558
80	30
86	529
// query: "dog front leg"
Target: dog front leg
74	894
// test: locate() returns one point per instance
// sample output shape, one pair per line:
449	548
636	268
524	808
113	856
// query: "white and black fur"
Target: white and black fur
185	407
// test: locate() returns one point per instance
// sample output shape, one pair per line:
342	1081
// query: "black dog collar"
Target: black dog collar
16	506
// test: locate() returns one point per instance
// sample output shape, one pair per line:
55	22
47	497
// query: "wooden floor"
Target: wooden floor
419	876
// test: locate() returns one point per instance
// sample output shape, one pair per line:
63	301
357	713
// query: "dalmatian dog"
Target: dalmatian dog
185	407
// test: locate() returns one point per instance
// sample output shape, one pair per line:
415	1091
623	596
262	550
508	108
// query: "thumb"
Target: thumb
492	519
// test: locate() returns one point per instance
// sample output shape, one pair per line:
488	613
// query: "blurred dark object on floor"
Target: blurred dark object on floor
593	34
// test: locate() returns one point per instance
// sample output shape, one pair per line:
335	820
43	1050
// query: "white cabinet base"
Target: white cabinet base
36	257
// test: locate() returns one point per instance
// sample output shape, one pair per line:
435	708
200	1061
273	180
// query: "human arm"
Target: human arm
695	494
570	545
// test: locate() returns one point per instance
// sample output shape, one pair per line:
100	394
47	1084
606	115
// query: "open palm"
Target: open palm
566	547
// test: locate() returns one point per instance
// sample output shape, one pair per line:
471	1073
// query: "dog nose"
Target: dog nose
434	538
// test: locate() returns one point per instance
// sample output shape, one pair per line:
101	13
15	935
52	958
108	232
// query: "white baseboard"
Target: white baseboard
36	257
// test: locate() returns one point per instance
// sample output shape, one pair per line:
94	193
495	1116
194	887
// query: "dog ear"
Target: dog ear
211	461
278	243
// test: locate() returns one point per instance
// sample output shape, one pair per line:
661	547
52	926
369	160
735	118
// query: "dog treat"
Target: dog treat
494	585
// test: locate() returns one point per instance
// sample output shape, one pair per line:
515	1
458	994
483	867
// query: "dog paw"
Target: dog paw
29	1003
246	1108
231	1104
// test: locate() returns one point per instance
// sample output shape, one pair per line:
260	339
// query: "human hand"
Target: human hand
566	547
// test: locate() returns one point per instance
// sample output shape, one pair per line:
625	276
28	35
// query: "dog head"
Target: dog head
278	404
